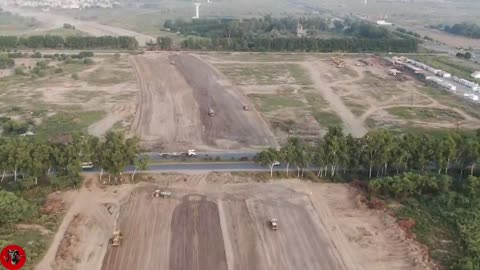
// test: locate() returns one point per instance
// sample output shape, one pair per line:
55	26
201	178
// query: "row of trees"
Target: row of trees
378	153
454	205
71	42
306	44
31	161
280	34
277	27
463	29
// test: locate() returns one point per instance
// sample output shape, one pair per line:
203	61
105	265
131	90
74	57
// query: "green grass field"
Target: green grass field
265	74
425	114
70	121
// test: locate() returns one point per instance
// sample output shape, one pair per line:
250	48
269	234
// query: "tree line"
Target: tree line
305	44
71	42
28	161
470	30
379	153
280	34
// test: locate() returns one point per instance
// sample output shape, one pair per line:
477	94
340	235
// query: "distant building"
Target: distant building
385	23
300	31
476	75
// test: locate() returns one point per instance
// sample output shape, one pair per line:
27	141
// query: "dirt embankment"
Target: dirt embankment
177	92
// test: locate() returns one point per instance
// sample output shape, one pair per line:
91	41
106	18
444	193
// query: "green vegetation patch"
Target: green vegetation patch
64	32
425	114
68	122
265	74
454	101
269	103
320	111
103	77
432	230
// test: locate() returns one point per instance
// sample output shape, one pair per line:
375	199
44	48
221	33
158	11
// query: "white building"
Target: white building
476	75
385	23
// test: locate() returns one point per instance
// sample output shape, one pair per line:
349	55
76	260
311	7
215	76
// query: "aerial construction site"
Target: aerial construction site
223	221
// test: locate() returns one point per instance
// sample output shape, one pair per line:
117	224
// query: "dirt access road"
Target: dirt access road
174	101
53	21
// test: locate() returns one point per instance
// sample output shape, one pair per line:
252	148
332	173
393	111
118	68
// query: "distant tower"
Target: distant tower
197	10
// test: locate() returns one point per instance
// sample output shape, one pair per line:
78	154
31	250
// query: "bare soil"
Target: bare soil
220	221
173	109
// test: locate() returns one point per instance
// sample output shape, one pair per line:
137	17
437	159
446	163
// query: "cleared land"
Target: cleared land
321	227
309	93
174	101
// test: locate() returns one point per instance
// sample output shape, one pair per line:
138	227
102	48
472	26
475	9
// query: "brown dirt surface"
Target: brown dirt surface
173	109
197	241
220	222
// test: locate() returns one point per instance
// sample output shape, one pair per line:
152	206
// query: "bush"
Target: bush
58	71
42	64
20	71
75	76
88	61
37	55
85	54
13	127
13	208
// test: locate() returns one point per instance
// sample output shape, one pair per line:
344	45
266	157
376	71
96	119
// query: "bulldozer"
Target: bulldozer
273	224
211	112
337	61
116	238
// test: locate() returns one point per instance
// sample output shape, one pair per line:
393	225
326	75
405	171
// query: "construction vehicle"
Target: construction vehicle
273	224
116	238
164	194
87	165
337	61
211	112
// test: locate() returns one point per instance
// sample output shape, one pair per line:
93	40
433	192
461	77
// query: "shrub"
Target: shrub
75	76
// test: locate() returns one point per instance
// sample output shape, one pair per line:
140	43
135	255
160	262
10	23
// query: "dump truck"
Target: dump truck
116	238
273	224
211	112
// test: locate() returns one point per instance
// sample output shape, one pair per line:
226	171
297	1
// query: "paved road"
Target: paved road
222	156
186	167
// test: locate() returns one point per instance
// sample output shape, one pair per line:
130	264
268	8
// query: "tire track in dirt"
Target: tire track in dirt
352	125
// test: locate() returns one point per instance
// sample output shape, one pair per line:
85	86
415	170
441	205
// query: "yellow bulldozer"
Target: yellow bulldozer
116	238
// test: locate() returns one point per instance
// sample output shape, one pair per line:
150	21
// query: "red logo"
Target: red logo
13	257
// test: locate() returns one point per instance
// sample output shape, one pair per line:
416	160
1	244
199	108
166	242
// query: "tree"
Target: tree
141	163
117	153
13	208
287	152
268	158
